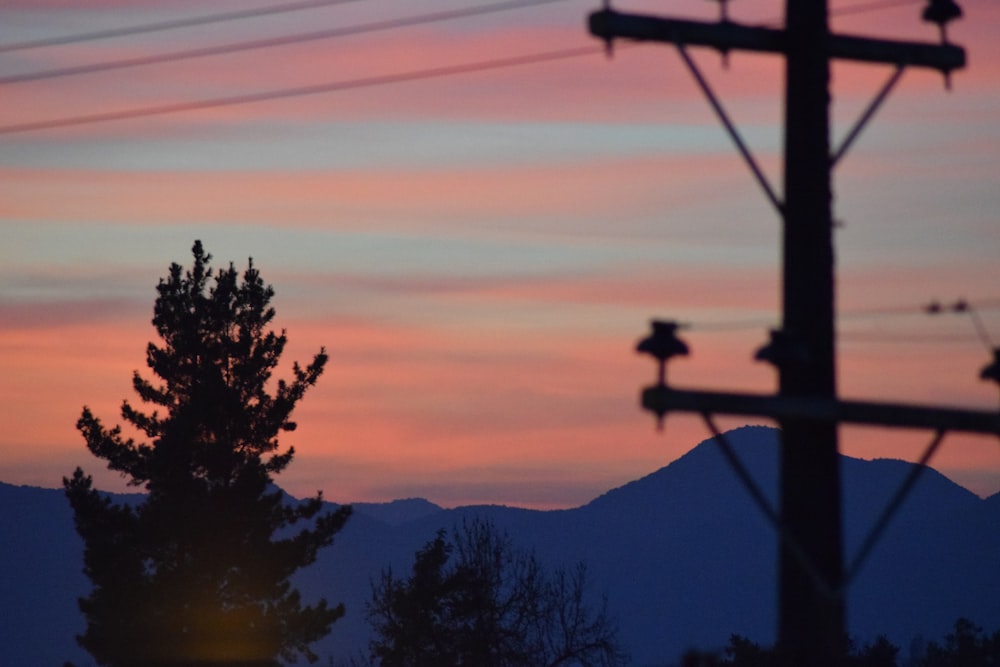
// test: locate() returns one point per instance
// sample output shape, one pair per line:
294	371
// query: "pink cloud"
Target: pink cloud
64	313
84	5
644	82
418	197
576	88
406	396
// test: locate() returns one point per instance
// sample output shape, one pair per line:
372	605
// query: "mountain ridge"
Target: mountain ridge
683	553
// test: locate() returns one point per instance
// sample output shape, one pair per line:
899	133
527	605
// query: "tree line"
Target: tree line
199	572
966	645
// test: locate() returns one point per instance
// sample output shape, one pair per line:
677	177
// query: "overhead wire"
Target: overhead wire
857	8
903	338
284	40
270	10
401	77
934	308
875	5
979	333
288	92
272	42
330	87
963	307
992	303
173	24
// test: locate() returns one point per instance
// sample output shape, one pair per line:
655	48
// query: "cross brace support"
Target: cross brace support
725	36
662	399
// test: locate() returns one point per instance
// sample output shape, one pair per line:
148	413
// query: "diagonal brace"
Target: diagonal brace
891	508
793	545
731	129
866	116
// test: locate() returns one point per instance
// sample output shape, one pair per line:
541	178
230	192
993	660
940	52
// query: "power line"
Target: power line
963	307
334	86
284	40
904	338
169	25
923	309
731	325
851	336
919	310
279	41
859	8
875	5
320	88
208	19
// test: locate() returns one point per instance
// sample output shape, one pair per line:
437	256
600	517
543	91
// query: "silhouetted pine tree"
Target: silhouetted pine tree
198	572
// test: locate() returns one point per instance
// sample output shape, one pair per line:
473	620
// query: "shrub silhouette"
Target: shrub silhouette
472	599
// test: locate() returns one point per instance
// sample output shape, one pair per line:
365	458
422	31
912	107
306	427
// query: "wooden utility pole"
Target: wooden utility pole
811	625
811	614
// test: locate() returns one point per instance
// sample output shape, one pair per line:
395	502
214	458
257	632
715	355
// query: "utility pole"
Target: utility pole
811	623
812	580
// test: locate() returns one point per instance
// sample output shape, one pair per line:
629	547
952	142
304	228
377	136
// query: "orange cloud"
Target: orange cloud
514	375
418	197
51	372
406	405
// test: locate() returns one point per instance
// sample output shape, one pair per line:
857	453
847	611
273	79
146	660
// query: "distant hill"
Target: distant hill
398	512
684	555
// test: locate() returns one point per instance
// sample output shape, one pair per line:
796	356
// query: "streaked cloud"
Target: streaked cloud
479	253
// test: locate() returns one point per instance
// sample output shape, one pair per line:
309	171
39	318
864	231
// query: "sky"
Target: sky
479	252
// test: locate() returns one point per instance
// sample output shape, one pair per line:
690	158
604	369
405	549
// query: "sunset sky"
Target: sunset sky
479	251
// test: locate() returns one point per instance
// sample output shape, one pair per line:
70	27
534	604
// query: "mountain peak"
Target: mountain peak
702	471
398	512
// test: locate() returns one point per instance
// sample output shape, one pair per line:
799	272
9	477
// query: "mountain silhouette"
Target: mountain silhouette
684	555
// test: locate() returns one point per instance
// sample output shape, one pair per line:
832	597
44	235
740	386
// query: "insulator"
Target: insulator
663	342
781	350
991	371
941	12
